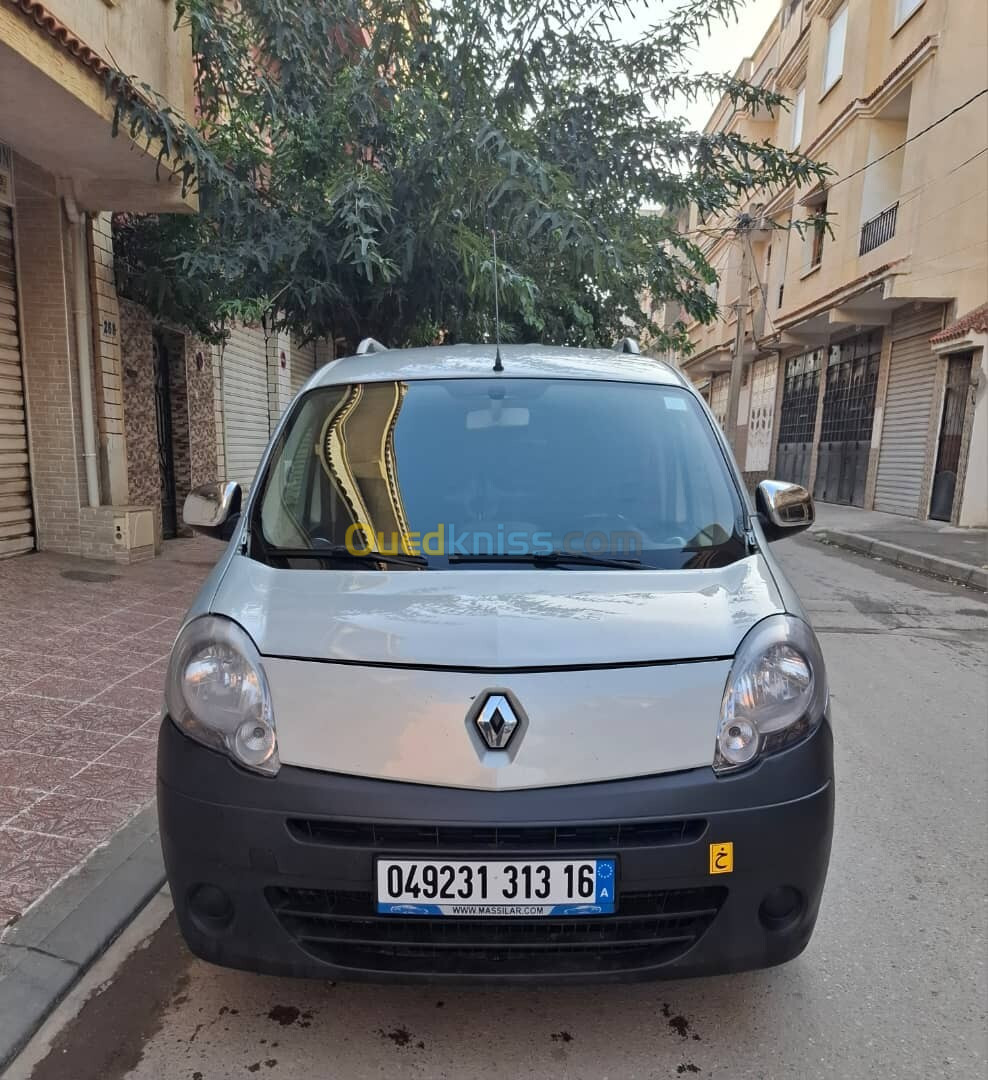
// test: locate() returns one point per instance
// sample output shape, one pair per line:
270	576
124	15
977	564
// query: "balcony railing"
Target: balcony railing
880	229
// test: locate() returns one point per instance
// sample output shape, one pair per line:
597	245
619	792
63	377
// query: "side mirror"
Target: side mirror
213	509
784	509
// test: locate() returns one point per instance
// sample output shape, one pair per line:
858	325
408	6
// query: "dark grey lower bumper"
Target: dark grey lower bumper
294	857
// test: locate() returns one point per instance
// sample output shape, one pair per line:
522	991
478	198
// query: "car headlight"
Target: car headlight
216	692
776	692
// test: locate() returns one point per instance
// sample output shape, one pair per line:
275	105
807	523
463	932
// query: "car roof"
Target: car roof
477	361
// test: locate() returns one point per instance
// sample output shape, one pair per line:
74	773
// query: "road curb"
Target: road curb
49	948
974	576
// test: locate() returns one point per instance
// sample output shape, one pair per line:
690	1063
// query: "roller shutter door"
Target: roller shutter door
245	403
303	364
908	405
16	519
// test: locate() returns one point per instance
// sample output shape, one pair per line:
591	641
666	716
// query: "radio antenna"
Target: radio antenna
498	366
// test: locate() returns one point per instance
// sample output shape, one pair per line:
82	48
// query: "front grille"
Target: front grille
476	838
342	928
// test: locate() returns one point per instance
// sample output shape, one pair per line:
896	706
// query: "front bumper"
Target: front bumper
294	856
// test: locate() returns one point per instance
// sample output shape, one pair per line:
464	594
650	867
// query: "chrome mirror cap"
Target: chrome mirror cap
212	508
785	508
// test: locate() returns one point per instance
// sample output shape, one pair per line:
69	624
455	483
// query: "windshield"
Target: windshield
465	473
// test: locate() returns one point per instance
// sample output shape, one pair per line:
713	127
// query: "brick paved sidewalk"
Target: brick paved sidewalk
82	664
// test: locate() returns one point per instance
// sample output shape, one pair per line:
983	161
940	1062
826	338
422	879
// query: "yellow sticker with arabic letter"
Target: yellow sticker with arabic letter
721	858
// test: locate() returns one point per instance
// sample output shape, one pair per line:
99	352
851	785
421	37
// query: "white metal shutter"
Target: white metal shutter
761	414
245	402
718	398
908	402
303	364
16	525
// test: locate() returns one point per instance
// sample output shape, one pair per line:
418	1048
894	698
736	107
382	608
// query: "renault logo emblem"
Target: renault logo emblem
496	721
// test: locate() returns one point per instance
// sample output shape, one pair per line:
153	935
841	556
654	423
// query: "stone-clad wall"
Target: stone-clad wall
192	410
201	411
140	425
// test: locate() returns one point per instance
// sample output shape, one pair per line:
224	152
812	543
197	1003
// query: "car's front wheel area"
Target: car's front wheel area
712	875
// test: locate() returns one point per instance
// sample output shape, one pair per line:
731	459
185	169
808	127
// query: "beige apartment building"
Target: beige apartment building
866	343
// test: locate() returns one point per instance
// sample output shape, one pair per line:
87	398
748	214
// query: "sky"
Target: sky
722	51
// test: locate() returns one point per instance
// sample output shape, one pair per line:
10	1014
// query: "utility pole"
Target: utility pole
737	360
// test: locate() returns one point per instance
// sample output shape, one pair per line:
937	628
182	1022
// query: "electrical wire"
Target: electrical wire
711	231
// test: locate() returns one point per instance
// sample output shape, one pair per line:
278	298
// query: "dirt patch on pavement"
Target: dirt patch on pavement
107	1039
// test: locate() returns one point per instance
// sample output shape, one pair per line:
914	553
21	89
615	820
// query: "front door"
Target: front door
848	414
797	421
951	429
166	452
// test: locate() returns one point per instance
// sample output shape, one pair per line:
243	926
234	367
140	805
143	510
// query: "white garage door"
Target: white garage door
908	404
761	415
16	525
303	364
245	403
718	398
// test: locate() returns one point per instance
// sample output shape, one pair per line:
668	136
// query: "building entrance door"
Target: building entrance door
951	430
848	413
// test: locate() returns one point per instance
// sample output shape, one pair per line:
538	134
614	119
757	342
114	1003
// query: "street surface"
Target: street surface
892	985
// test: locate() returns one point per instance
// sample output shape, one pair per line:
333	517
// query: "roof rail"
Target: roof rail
627	345
370	345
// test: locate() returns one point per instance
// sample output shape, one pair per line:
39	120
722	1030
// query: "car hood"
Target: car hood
506	619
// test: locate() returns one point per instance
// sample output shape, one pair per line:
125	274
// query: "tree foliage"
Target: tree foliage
352	158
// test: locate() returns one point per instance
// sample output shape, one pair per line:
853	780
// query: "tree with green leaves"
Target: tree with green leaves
352	159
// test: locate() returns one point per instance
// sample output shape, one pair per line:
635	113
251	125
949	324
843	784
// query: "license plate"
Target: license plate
496	888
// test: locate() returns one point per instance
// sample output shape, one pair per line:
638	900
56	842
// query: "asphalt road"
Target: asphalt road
892	985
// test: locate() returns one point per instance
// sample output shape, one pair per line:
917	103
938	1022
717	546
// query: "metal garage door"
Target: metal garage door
797	417
245	402
847	421
16	524
908	405
303	364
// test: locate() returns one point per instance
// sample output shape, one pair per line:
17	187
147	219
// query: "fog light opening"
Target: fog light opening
781	908
211	908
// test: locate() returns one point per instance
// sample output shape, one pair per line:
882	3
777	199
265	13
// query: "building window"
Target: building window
819	234
833	66
798	107
905	8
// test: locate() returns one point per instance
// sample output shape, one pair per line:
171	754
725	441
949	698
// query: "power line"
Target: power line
896	149
912	138
717	232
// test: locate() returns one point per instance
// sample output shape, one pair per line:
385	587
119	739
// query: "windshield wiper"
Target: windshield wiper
332	552
552	558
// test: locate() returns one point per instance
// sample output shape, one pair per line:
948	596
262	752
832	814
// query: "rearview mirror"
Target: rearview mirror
213	509
785	509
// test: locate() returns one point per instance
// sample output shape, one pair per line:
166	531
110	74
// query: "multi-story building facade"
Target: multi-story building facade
107	418
65	481
865	341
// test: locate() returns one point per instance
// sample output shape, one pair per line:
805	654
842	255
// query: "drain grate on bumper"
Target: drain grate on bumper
650	928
